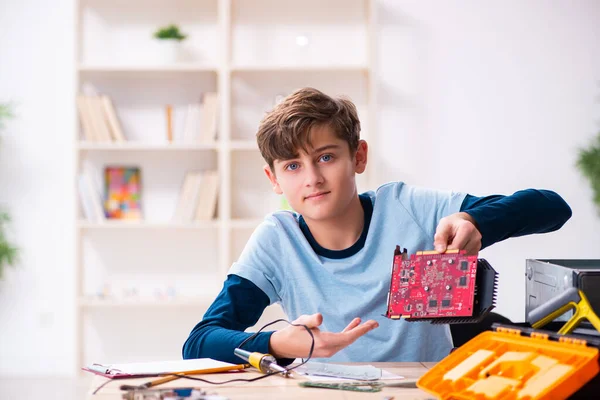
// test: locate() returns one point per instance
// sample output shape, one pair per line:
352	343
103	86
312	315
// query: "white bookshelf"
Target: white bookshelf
300	68
243	145
248	52
140	146
93	303
142	225
132	68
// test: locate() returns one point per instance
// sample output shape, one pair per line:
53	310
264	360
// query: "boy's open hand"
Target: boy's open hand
457	232
294	341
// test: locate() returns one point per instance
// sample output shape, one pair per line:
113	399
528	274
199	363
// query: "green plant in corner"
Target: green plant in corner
5	113
8	253
589	164
170	32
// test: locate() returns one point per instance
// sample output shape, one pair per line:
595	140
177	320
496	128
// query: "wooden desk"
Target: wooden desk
276	387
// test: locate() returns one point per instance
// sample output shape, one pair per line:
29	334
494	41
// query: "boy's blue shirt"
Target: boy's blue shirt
282	263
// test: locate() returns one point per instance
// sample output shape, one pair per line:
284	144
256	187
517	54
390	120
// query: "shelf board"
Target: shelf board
91	302
140	146
246	223
300	68
107	225
212	69
189	67
243	145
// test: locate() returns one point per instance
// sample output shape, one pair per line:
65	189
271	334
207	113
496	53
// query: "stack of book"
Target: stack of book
197	197
200	122
99	119
119	199
90	195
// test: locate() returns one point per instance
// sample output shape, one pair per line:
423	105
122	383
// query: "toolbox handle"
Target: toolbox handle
551	309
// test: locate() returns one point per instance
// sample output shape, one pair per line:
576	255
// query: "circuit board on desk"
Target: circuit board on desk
450	287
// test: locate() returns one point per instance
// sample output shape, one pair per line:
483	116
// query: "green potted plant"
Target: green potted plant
8	253
589	164
169	42
5	113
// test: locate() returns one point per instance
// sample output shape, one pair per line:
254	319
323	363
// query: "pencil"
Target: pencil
176	375
159	381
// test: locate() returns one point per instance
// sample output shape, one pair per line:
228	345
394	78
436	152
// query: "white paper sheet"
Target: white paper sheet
157	367
317	371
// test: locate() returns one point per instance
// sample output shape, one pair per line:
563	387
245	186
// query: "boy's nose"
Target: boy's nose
314	177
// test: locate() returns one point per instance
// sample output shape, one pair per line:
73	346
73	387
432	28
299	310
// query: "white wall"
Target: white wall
493	97
36	180
513	84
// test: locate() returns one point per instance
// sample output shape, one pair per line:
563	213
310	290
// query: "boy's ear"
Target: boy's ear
360	160
273	179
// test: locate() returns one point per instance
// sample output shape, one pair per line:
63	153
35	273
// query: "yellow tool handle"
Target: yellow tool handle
261	361
255	359
570	299
554	308
583	310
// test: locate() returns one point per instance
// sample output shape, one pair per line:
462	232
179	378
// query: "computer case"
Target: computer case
546	279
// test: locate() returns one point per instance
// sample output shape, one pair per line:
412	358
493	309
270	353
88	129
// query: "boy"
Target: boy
328	264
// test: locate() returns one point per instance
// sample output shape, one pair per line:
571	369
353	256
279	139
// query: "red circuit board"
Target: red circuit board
432	285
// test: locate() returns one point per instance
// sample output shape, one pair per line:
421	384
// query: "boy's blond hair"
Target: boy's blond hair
286	129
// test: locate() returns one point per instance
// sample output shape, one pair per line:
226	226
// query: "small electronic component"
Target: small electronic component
170	394
364	387
449	287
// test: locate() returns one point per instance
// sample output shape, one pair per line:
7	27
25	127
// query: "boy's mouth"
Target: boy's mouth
316	196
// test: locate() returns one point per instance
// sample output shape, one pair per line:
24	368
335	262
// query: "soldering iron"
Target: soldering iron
265	363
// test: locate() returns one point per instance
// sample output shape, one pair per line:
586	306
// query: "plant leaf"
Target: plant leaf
589	165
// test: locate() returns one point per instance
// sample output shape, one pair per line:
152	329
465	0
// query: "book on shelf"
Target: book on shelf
122	186
207	202
113	121
85	117
197	197
99	120
90	195
169	114
201	120
209	121
191	127
188	196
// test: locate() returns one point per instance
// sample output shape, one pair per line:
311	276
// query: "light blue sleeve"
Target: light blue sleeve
428	206
260	261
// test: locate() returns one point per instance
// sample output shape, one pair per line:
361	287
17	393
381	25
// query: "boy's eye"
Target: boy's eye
326	157
292	167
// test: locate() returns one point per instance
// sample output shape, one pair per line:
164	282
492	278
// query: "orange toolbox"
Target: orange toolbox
516	363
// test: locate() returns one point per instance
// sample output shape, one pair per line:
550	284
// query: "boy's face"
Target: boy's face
320	183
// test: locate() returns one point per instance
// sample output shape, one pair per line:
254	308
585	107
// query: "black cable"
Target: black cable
312	347
304	361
